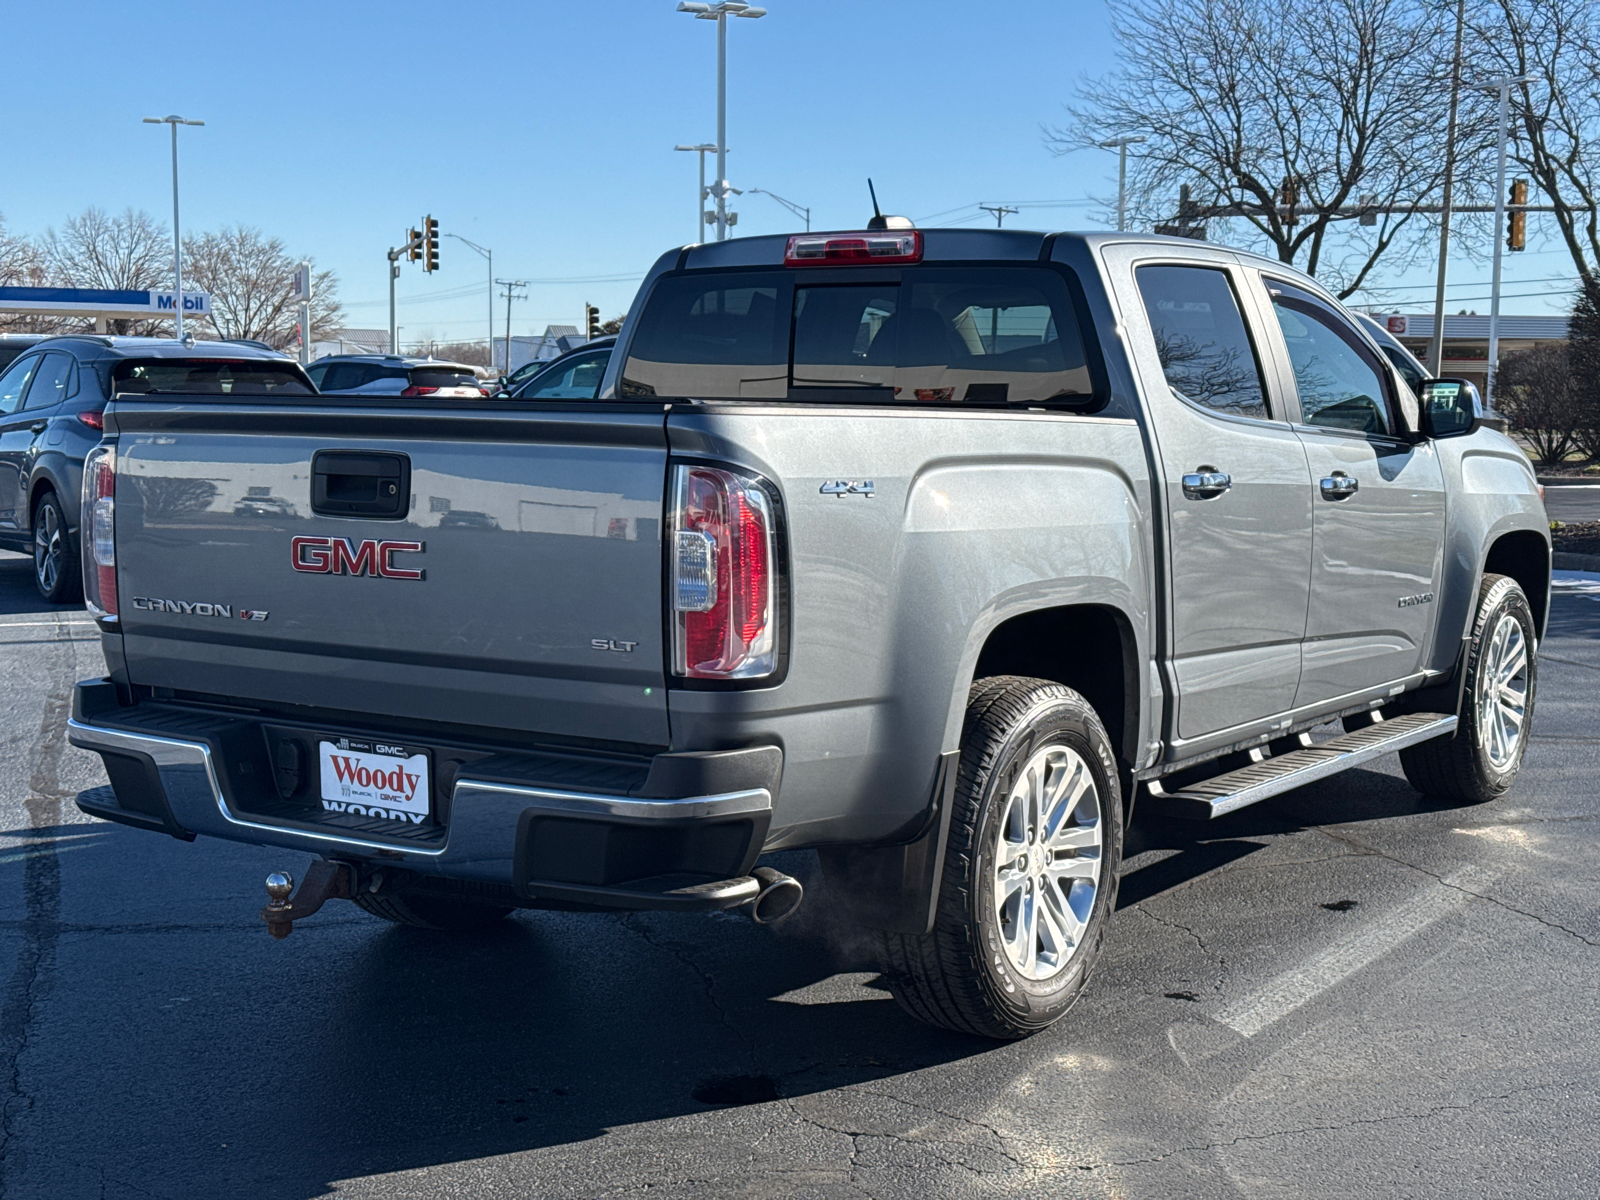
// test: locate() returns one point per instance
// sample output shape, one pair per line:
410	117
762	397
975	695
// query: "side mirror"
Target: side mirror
1450	408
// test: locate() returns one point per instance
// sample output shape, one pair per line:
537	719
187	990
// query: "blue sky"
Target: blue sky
545	131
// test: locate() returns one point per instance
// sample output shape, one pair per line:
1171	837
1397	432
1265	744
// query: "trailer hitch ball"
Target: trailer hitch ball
324	880
280	885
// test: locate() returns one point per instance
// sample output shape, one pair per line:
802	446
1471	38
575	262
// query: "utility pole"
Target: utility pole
1503	86
177	242
720	11
1120	145
1436	343
1000	211
514	289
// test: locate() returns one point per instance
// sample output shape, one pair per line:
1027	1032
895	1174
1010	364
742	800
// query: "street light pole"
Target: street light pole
719	12
799	210
700	203
1436	342
1503	86
1120	145
177	243
488	345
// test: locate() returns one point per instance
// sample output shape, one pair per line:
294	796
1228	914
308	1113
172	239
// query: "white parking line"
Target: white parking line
49	623
1253	1013
36	851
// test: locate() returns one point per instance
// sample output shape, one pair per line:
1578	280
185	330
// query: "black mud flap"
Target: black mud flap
896	888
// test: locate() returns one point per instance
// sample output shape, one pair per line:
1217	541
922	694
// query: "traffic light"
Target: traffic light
592	320
413	245
1291	194
430	244
1517	218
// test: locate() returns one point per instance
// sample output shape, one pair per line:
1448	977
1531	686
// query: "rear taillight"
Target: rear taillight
723	586
100	531
847	249
419	391
93	418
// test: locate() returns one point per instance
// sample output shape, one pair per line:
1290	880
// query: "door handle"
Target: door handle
39	426
1206	483
1339	486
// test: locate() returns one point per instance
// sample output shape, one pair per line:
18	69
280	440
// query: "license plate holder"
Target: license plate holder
373	778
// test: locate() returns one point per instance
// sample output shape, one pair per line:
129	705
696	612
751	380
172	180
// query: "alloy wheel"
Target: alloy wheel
48	546
1047	861
1503	692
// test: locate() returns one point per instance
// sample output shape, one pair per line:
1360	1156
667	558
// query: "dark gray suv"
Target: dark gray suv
51	399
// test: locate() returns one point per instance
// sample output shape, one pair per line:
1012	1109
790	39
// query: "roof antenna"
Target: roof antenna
879	221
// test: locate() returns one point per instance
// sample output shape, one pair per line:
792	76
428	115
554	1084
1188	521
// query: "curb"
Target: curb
1567	480
1575	562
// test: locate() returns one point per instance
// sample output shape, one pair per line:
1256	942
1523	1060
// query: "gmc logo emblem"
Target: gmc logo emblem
341	556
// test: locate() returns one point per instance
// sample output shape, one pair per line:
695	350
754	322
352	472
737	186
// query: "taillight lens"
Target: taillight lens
723	586
93	418
419	391
100	531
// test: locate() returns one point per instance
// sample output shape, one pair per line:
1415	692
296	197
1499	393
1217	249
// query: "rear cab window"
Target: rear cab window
210	377
921	335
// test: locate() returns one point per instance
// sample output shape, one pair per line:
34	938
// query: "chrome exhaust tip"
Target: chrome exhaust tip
779	896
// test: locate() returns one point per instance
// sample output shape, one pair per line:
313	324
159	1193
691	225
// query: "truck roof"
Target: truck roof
146	347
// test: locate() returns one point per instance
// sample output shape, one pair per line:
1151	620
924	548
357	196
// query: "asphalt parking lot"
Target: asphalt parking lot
1350	991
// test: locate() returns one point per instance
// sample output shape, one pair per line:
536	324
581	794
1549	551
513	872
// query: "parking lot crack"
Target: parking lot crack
1221	959
41	886
1467	891
633	922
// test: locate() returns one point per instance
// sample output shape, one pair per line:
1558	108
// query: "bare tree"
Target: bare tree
250	278
473	354
1247	99
21	266
1535	389
1557	113
130	252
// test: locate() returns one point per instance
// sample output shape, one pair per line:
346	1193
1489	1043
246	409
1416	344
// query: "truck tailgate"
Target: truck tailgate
520	588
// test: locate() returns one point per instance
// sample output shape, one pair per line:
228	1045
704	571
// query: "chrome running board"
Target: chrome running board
1281	773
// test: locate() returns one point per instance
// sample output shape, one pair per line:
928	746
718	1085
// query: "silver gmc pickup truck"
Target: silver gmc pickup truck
930	550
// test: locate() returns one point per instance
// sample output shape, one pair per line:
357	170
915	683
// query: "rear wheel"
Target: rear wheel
55	558
1030	873
1480	761
422	910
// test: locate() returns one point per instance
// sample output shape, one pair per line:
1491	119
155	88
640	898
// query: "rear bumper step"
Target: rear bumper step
547	842
1272	776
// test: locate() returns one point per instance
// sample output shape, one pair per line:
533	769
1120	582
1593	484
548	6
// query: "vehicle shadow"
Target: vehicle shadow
356	1049
1200	847
17	593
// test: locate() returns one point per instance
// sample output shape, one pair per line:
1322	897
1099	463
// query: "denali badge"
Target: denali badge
341	556
1409	601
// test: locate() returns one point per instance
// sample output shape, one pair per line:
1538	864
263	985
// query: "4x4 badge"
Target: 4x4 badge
848	487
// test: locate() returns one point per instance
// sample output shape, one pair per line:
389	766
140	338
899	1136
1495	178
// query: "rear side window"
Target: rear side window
211	377
1201	339
713	336
972	335
52	382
